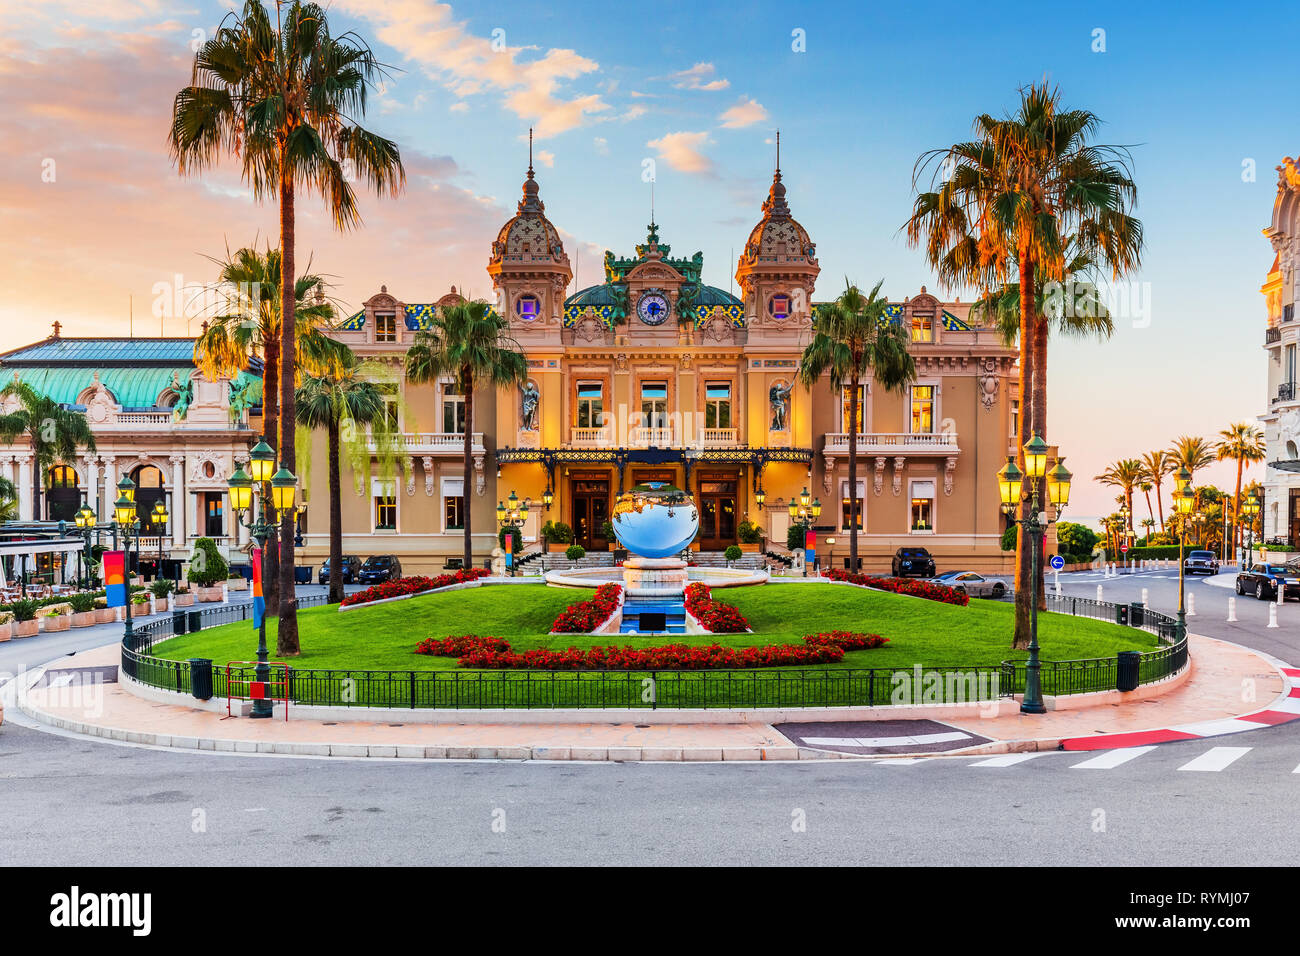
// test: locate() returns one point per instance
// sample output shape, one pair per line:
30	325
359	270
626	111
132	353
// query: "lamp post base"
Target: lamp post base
1031	708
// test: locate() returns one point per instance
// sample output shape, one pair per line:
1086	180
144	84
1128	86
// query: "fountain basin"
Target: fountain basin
648	588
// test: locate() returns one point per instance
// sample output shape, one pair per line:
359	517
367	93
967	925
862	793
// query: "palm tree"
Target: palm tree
470	344
853	342
283	99
1244	444
247	326
1157	464
1145	487
347	407
1125	475
1013	201
54	432
1193	453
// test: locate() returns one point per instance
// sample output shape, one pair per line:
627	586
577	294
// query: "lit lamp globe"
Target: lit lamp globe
655	520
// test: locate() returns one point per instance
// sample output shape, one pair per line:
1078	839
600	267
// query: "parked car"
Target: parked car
348	569
379	568
1263	581
912	562
1200	562
972	583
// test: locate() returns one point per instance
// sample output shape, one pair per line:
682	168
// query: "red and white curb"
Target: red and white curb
1284	709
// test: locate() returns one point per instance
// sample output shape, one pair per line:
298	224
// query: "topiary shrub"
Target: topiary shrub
575	552
749	533
795	537
732	553
207	566
557	532
1009	538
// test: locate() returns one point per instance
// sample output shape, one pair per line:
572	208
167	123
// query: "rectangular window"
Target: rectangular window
846	504
453	414
923	506
654	404
922	326
922	409
385	512
454	513
385	327
591	405
1290	363
1015	417
213	504
717	405
845	395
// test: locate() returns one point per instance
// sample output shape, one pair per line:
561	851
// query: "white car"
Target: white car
976	585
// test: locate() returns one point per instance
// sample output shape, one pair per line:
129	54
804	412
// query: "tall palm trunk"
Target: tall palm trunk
1150	514
467	387
1160	506
1040	426
270	435
286	641
1023	585
1236	510
853	473
336	513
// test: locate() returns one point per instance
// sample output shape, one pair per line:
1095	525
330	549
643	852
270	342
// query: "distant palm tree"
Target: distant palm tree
348	409
854	342
284	99
1145	487
470	344
1007	204
53	431
1193	453
1244	444
1157	464
1125	475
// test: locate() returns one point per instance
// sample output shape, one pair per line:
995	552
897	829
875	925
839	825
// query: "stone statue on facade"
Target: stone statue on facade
779	397
530	399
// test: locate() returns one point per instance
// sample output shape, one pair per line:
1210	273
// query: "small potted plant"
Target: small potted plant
557	534
55	617
184	596
83	608
6	625
750	536
24	612
236	581
139	603
207	570
575	552
160	588
103	613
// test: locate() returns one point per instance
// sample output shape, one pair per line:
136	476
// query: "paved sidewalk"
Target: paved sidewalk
1225	682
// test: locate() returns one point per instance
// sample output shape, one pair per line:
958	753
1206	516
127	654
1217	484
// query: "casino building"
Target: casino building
654	375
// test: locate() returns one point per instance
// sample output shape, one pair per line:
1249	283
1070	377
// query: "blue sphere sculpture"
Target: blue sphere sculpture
655	521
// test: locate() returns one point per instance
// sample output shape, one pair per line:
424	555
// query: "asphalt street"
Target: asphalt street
1224	801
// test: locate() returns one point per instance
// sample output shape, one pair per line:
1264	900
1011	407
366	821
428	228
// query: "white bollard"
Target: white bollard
1281	595
1272	615
1191	604
1144	597
1232	610
1056	580
1098	592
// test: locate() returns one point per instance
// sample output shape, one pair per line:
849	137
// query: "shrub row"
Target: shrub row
413	585
907	586
714	616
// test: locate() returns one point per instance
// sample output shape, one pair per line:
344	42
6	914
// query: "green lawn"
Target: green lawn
924	632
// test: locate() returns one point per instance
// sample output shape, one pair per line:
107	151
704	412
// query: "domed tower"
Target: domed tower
777	268
529	267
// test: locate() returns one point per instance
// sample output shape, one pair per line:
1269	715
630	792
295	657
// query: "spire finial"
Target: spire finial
530	152
778	152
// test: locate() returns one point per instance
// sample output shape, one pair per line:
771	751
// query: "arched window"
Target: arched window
61	476
149	491
62	496
1291	451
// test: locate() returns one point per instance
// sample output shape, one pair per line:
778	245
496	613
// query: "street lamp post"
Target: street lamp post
125	518
85	520
1011	489
512	514
1250	508
802	513
276	497
1185	499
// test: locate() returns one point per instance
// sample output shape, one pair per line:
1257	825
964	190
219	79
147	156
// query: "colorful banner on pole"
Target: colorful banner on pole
115	578
510	549
810	547
259	602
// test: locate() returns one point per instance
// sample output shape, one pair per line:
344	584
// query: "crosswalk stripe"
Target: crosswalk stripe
912	741
1112	758
1216	758
1006	760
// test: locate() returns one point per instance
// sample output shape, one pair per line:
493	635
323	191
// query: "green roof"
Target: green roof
104	351
132	387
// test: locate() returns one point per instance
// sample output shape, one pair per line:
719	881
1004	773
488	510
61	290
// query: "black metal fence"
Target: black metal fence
705	689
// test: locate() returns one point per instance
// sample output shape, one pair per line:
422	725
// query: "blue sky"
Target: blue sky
700	89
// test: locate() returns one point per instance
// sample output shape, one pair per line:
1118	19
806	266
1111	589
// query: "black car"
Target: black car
909	562
379	568
1263	581
1200	562
348	569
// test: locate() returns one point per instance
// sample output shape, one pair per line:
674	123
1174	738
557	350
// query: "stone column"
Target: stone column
92	483
24	485
110	487
178	501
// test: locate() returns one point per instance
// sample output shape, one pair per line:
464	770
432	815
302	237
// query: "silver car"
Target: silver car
976	585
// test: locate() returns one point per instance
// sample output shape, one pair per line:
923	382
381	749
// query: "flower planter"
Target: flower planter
183	600
754	548
60	622
27	628
83	618
159	605
237	584
209	595
105	615
6	631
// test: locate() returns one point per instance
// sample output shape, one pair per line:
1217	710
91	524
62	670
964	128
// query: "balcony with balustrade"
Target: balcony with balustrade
432	443
894	443
642	436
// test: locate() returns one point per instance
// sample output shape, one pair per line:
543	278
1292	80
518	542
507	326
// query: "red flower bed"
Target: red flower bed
664	657
713	615
586	616
846	640
460	645
921	589
413	585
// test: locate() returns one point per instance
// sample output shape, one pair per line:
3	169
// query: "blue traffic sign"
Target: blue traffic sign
1057	562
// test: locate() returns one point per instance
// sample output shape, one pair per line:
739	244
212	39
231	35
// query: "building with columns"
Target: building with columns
156	418
1281	422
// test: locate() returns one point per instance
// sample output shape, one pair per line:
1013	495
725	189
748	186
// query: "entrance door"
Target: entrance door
590	512
62	496
717	512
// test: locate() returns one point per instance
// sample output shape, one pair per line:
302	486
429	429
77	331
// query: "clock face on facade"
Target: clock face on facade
652	308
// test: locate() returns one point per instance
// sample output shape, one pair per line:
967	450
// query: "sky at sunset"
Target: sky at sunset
95	215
